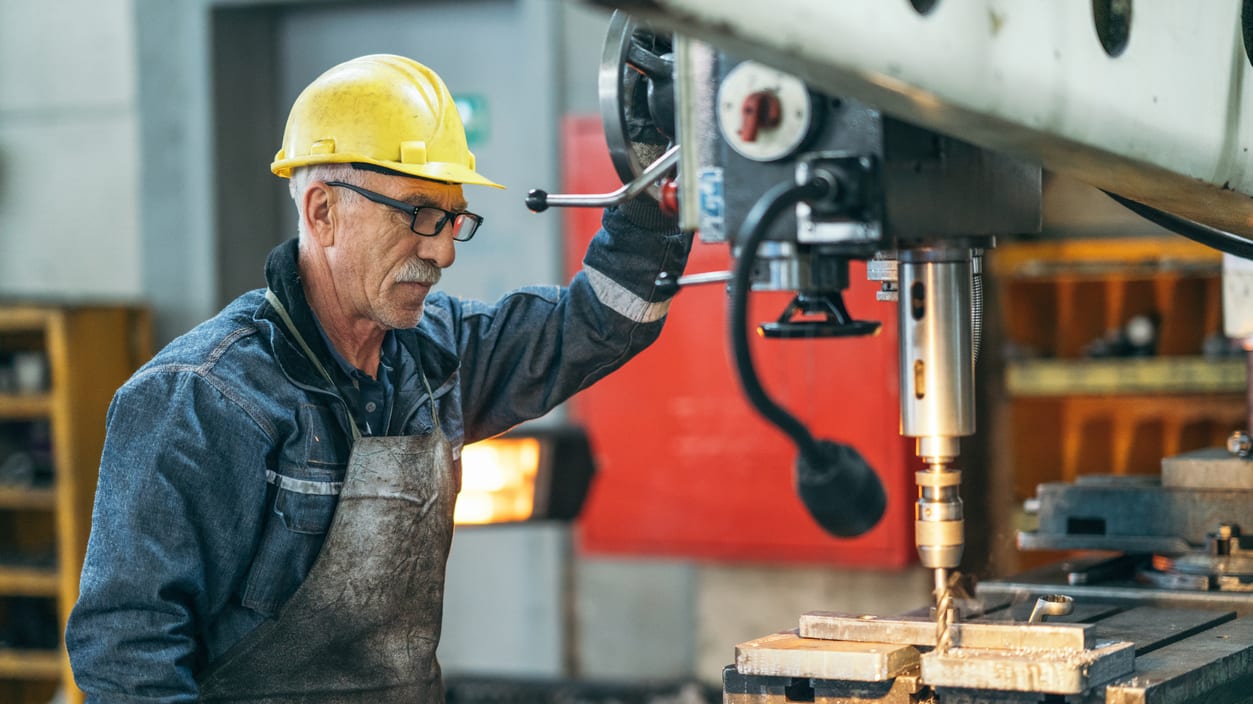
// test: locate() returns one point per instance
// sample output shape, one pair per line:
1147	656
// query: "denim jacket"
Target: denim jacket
224	454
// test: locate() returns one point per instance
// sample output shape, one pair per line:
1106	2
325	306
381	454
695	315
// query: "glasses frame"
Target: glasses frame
447	217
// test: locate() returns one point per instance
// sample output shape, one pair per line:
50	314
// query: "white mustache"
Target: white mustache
419	271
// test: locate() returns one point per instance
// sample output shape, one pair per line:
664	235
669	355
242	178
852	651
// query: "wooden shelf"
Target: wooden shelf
30	664
29	581
1058	414
26	318
90	350
1116	257
21	406
18	498
1149	375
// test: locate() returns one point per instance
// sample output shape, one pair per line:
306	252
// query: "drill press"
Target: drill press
919	202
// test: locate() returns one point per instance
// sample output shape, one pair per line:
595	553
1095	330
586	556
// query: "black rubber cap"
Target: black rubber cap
665	285
537	200
840	490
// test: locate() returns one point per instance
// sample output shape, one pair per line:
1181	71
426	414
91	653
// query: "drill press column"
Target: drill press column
937	393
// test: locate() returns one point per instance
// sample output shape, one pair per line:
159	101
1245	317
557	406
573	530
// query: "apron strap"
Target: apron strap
430	395
300	340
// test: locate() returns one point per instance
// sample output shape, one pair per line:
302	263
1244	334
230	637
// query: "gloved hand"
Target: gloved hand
644	212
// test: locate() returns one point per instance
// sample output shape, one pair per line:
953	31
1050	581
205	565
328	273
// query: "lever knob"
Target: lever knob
537	200
761	110
669	198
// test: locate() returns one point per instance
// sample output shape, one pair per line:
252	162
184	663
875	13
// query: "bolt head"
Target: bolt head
1239	443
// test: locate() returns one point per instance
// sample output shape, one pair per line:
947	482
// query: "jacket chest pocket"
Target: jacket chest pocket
303	496
306	509
292	538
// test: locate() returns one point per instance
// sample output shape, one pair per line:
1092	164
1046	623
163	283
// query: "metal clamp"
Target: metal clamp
1051	605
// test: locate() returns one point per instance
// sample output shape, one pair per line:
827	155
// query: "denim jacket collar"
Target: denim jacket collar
282	276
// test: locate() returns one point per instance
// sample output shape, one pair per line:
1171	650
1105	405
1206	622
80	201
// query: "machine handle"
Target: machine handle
539	200
668	285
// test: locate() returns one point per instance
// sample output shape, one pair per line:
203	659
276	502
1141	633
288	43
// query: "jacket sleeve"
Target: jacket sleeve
172	524
537	346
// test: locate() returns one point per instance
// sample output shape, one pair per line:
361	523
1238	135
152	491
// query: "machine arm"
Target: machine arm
1155	106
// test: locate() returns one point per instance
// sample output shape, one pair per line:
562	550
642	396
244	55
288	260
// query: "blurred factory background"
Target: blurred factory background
135	138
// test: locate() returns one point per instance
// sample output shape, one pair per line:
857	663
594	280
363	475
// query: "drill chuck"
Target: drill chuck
938	520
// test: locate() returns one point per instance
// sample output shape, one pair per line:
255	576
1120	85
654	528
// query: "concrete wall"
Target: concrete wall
69	212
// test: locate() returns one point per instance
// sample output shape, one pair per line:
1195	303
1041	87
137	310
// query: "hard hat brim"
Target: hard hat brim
432	171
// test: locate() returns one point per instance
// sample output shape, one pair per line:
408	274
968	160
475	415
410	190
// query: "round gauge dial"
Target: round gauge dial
763	113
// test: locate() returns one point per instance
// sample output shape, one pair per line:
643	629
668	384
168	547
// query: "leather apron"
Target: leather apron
365	623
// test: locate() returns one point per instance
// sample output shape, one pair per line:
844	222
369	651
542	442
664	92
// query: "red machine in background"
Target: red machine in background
686	468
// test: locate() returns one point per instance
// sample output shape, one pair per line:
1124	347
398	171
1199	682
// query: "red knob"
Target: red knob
761	110
669	197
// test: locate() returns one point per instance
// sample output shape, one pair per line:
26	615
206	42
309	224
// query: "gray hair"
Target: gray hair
302	176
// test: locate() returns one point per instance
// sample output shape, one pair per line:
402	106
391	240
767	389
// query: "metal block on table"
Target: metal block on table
1208	468
1135	514
789	655
921	631
1025	669
758	689
830	625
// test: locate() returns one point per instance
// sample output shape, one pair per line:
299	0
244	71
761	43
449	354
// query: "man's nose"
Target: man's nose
440	249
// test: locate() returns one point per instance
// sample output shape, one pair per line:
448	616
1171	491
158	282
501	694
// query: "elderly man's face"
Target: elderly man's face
385	270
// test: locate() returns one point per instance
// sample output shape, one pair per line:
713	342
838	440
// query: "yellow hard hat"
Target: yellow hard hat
384	110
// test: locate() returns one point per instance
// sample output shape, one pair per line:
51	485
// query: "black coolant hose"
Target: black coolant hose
756	224
836	484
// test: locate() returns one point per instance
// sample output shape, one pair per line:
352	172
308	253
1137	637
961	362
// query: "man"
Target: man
276	489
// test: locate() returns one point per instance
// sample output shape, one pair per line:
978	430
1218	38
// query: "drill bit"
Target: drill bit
945	609
941	586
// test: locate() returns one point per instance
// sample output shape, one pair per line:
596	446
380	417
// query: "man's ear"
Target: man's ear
319	216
